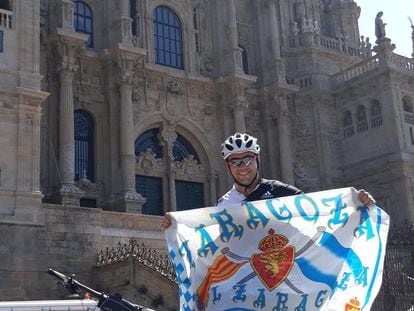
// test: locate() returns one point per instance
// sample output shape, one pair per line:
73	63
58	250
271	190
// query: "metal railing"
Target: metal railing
397	291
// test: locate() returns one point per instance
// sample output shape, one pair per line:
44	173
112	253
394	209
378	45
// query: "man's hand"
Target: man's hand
166	221
365	198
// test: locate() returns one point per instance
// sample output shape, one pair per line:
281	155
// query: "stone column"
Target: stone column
69	45
66	12
285	151
131	200
213	191
126	23
233	36
171	186
238	108
275	41
169	136
70	194
274	28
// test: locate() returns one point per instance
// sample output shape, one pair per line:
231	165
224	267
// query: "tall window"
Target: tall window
168	45
408	110
376	115
133	15
362	123
348	124
84	21
84	151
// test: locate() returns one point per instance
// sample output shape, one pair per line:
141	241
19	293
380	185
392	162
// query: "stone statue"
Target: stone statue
412	34
379	27
301	12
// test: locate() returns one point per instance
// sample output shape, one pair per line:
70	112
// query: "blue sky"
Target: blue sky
396	14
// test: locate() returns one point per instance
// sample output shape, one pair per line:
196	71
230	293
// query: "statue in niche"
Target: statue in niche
379	27
412	34
301	15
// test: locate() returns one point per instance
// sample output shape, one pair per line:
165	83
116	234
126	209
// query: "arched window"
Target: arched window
5	5
245	60
183	149
84	21
84	145
362	123
347	119
154	178
376	115
149	140
407	105
347	124
408	110
168	45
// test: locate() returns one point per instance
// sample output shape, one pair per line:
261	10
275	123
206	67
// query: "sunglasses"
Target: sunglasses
237	162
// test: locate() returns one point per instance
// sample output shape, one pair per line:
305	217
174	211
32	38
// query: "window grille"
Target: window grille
151	189
189	195
84	146
168	45
84	21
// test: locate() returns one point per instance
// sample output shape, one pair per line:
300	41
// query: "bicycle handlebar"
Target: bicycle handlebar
116	302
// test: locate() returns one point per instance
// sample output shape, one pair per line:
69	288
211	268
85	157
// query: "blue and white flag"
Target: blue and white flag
316	251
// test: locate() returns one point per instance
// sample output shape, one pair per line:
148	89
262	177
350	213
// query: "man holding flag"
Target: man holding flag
267	244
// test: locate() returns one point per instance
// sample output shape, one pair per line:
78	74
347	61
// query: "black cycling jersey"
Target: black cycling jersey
266	189
270	189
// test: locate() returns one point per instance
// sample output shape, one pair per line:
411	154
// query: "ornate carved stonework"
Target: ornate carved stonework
169	136
189	166
147	161
303	181
176	101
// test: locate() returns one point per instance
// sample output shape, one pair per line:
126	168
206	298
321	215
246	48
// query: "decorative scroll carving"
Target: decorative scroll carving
147	161
189	166
149	257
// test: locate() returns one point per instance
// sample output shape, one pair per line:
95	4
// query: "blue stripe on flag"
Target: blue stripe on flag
314	274
377	263
330	243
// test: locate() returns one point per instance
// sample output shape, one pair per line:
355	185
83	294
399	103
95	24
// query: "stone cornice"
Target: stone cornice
36	94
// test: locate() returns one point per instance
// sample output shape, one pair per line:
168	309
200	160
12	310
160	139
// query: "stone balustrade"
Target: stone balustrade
357	70
328	43
6	18
402	62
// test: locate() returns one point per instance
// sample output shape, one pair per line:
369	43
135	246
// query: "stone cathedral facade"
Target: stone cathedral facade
116	110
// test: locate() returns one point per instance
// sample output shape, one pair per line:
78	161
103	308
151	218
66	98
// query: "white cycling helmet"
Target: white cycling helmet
239	143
